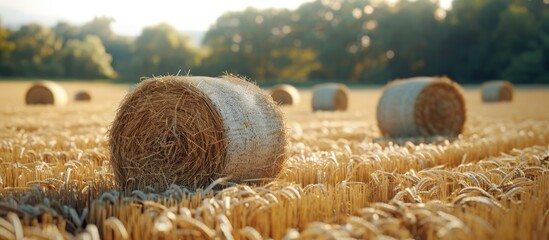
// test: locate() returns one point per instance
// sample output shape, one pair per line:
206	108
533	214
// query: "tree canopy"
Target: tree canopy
363	41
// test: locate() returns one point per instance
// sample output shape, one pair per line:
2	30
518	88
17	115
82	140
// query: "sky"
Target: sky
131	16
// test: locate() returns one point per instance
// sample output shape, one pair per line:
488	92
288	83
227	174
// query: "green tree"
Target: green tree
258	44
521	45
120	50
367	40
6	48
527	68
332	30
86	59
35	44
100	27
409	35
65	31
483	38
119	47
161	50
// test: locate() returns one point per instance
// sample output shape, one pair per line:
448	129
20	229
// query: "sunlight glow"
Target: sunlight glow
445	4
440	14
131	16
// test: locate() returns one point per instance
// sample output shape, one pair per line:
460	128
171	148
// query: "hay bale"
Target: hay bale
422	106
132	87
82	96
330	97
193	130
285	94
497	91
46	92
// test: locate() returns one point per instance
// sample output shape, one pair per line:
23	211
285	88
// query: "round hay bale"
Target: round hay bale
497	91
46	92
330	97
132	87
82	96
422	106
285	94
193	130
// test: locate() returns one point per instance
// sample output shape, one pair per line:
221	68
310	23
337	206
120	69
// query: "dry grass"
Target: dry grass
343	179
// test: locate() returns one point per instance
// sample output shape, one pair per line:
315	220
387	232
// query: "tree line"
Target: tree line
362	41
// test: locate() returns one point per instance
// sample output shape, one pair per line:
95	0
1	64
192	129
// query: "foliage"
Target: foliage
34	46
161	50
6	48
362	41
258	43
86	59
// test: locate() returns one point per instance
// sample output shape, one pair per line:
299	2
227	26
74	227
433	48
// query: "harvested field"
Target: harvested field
343	179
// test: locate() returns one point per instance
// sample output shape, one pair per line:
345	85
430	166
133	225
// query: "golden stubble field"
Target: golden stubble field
342	180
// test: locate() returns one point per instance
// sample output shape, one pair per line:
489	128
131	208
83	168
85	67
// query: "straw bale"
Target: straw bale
497	91
421	106
46	92
330	97
82	96
193	130
285	94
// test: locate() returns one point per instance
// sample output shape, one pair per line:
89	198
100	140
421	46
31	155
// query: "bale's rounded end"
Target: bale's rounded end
423	106
285	94
193	130
330	97
46	93
82	96
497	91
167	131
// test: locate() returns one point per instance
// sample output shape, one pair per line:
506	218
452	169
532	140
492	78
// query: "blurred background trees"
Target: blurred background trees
363	41
161	50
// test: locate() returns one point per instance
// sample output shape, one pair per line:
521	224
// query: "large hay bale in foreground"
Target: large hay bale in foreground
46	92
132	87
193	130
82	96
497	91
423	106
285	94
330	97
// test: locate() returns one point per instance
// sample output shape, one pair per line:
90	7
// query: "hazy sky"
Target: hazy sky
132	16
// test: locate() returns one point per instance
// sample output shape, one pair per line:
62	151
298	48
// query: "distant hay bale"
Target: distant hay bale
46	92
285	94
82	96
496	91
193	130
330	97
422	106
